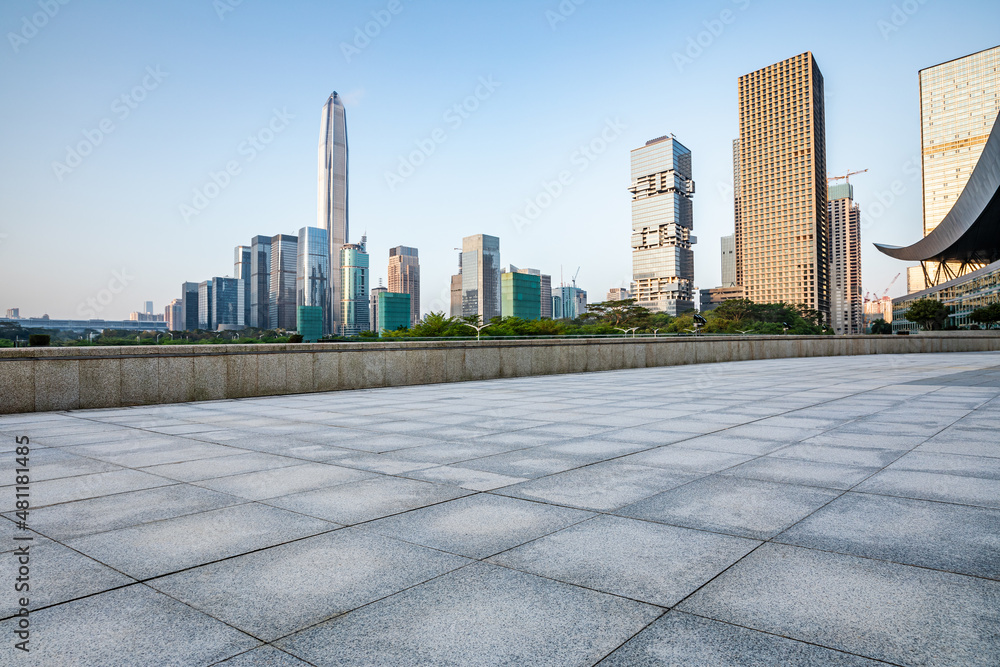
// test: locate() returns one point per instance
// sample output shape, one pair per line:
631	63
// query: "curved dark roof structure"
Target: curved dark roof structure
971	230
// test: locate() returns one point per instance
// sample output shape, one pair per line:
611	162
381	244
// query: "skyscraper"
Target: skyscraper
174	315
312	278
332	207
404	277
227	303
662	220
481	276
737	274
354	307
545	290
373	322
205	306
959	103
281	300
260	282
242	272
393	311
520	295
846	306
729	261
782	251
189	307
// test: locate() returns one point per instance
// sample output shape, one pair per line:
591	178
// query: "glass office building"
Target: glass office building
354	307
332	208
312	275
481	276
404	277
662	220
227	303
205	306
242	266
520	295
281	302
260	282
189	307
393	311
959	103
373	320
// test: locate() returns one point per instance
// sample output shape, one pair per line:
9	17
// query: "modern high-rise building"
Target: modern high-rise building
959	104
227	303
729	261
354	307
393	312
662	220
480	272
545	292
13	313
782	249
282	312
242	271
618	294
260	282
404	277
737	184
174	315
557	309
374	306
312	278
190	305
846	304
572	302
332	209
520	295
205	306
149	308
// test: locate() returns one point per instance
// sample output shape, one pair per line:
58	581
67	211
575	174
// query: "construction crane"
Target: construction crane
575	275
845	177
886	292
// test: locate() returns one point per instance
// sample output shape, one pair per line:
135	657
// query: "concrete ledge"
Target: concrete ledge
44	379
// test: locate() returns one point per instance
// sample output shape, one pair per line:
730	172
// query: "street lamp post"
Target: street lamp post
477	327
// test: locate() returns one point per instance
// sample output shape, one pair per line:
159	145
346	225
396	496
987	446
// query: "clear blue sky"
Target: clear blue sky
220	76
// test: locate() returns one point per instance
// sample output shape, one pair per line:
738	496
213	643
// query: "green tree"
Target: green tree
987	315
880	326
928	313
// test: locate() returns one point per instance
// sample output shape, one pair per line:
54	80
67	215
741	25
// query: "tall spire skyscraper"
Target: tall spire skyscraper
332	204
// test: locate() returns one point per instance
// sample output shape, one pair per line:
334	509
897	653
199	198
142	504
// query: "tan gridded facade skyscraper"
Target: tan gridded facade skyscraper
846	306
404	277
782	251
959	103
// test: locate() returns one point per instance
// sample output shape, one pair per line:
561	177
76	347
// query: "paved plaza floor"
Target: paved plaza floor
828	511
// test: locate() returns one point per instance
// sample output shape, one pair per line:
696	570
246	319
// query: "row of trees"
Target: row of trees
611	317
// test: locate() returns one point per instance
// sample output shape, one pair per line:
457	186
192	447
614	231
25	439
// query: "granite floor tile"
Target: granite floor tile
478	526
56	575
376	498
162	547
128	627
682	639
871	457
644	561
265	656
949	464
465	477
943	536
277	591
68	489
743	507
121	510
897	613
806	473
731	443
223	466
479	615
935	486
602	486
282	481
683	459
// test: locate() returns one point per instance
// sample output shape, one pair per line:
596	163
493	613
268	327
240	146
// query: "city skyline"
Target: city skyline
273	192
